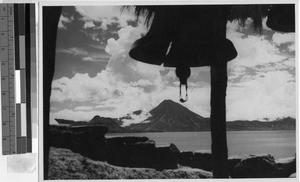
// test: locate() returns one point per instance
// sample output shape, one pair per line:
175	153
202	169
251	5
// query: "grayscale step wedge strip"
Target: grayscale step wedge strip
28	75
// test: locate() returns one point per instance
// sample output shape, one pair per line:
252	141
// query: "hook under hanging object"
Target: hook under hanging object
183	73
186	94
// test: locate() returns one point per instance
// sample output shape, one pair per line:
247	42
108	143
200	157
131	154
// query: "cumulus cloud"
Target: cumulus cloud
106	15
63	20
254	50
88	24
283	38
267	95
82	87
262	83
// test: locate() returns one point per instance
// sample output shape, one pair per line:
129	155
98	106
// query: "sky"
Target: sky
94	74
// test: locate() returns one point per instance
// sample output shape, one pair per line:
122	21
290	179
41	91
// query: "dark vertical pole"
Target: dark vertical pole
218	119
50	20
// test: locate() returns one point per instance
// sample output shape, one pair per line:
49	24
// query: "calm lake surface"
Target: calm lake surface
279	144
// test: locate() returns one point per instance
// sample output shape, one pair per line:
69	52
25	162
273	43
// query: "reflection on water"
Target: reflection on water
279	144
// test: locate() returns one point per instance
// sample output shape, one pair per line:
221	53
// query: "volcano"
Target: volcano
171	116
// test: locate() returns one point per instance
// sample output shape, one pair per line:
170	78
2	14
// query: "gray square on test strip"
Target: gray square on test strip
19	145
22	51
23	145
23	120
18	119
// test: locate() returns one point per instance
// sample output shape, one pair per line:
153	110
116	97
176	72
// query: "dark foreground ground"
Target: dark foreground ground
64	164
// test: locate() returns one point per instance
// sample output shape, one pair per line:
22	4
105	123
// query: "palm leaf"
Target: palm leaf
236	12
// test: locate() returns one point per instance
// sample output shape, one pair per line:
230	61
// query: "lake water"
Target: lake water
279	144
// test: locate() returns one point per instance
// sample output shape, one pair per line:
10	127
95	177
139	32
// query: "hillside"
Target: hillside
110	123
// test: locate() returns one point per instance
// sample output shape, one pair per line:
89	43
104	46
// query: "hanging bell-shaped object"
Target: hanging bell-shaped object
184	37
281	17
152	47
200	53
201	41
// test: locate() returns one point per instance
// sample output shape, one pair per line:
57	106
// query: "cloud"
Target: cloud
291	47
254	50
257	53
85	55
106	15
88	24
63	21
283	38
84	108
267	95
74	51
81	87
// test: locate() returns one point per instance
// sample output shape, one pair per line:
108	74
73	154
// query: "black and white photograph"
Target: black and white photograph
168	91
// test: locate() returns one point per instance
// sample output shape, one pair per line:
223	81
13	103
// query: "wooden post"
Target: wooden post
218	119
51	17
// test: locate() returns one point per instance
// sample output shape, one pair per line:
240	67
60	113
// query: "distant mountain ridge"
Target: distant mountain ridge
287	123
170	116
110	123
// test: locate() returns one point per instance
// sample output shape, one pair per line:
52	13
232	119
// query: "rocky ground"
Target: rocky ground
64	164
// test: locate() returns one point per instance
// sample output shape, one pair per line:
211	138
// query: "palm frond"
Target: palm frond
243	12
237	12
